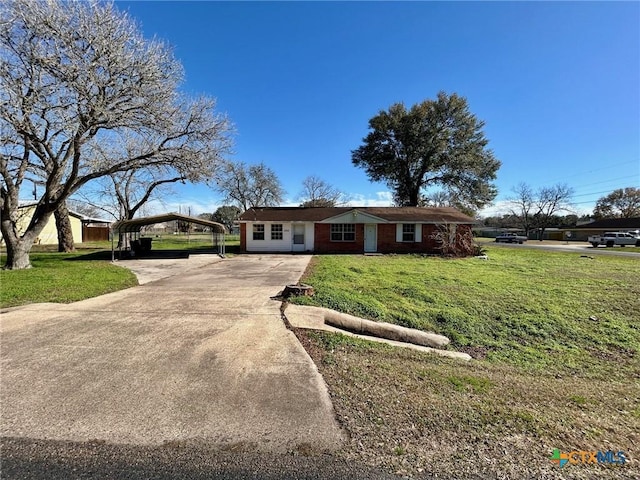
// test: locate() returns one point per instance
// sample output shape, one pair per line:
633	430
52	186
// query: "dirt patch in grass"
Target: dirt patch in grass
415	414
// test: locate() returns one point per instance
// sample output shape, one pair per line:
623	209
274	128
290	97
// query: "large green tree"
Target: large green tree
226	215
437	143
621	203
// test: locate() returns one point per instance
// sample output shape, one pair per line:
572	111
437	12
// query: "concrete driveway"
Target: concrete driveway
201	356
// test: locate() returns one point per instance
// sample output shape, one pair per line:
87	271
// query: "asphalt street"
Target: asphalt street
27	459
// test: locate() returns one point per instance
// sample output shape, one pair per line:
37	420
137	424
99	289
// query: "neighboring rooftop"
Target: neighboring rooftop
632	223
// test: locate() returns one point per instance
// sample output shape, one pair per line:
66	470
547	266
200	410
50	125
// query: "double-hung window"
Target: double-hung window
258	232
343	232
409	232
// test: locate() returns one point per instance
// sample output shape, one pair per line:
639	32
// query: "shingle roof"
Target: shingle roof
616	223
391	214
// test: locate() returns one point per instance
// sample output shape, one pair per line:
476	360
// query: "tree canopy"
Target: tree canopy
84	95
226	215
318	193
621	203
436	143
249	186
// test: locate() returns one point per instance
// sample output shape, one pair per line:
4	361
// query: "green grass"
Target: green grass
194	241
556	339
61	278
539	310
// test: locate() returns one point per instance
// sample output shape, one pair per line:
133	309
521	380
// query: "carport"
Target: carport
133	227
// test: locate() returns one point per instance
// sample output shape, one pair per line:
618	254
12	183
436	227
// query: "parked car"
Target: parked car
615	238
510	238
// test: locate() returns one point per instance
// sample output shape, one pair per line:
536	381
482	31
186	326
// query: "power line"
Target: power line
603	181
592	193
597	170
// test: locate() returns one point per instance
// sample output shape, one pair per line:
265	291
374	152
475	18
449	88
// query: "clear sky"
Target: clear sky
557	83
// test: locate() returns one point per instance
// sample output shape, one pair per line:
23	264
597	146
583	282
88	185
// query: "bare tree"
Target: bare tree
84	95
550	201
318	193
523	205
454	240
134	188
84	208
249	186
537	209
121	195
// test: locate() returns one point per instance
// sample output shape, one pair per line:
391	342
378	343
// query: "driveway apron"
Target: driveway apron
202	356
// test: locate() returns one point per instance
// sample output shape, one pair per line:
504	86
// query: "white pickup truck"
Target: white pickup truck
615	238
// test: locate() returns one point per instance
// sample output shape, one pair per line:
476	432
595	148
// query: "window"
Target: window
408	232
258	232
343	232
276	231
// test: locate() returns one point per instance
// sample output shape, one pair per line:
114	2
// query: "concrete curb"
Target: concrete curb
384	330
314	318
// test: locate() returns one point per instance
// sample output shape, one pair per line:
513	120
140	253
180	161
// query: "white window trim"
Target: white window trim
417	235
253	232
342	232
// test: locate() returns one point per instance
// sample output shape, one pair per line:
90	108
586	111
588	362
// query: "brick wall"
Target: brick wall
323	243
386	241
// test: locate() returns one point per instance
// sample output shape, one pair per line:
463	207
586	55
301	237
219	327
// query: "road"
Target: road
579	248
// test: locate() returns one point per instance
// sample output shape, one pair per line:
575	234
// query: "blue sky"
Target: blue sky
558	84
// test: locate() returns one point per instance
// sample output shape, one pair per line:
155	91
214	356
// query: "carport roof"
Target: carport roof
125	226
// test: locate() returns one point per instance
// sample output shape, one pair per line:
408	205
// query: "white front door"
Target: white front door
371	237
298	237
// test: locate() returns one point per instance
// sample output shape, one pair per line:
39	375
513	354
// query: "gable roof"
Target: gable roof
615	223
389	214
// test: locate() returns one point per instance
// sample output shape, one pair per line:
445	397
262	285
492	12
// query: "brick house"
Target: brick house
346	229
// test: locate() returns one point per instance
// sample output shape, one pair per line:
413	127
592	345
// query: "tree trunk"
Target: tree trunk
65	232
18	256
18	247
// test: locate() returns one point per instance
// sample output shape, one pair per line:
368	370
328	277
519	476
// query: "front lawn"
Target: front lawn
62	278
556	339
540	310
